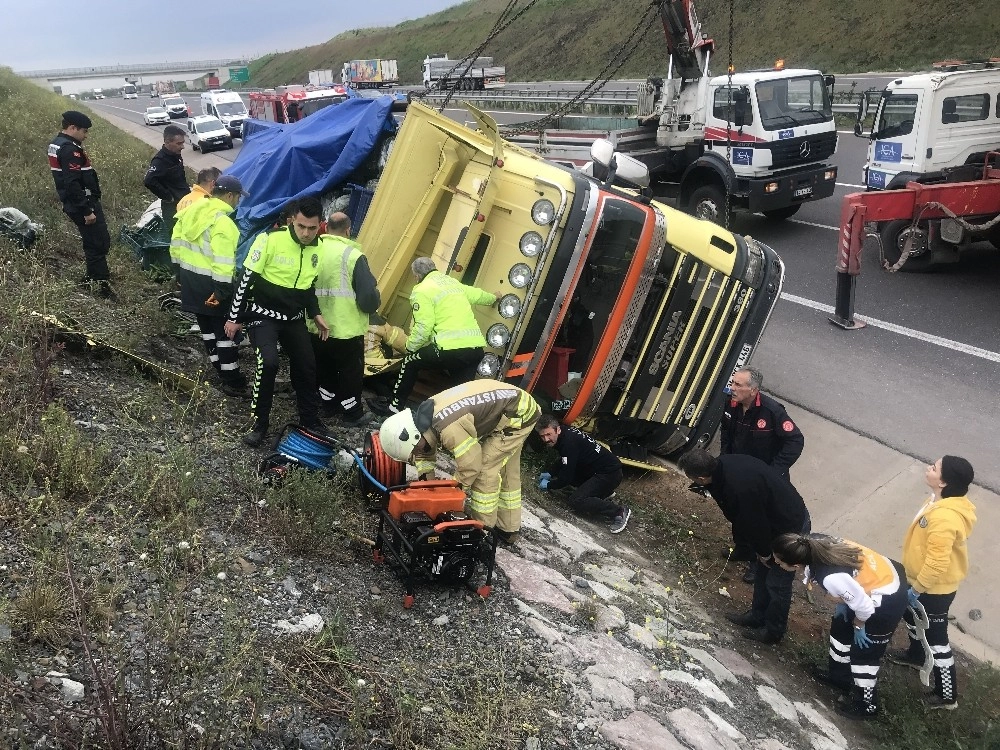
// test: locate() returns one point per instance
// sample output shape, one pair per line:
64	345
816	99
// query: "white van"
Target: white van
207	133
228	106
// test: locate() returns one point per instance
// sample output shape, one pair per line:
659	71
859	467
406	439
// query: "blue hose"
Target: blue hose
316	455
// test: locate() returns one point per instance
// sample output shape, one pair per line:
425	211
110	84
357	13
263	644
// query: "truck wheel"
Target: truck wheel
893	236
708	202
780	214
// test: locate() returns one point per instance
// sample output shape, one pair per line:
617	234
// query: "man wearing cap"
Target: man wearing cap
203	251
272	297
165	177
80	192
483	424
202	188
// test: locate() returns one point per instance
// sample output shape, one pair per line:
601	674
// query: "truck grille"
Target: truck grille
811	148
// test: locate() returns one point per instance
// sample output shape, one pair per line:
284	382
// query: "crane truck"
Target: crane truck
440	73
621	315
760	138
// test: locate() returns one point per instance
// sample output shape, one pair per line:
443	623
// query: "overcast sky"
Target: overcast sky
42	34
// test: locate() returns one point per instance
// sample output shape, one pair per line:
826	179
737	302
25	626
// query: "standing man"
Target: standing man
165	177
584	464
483	424
347	294
273	296
79	190
761	505
201	189
203	251
445	334
756	425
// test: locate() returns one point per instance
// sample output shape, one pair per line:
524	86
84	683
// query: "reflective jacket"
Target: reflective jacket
442	314
345	288
862	588
279	278
203	251
196	194
935	549
76	181
459	418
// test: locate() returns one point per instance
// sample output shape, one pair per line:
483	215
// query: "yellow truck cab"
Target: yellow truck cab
620	314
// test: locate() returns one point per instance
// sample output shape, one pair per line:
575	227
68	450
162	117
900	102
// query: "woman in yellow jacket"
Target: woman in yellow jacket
936	559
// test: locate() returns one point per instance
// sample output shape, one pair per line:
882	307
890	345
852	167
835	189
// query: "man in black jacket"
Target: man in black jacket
165	177
761	505
584	464
79	190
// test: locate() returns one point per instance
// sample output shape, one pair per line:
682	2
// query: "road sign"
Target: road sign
239	75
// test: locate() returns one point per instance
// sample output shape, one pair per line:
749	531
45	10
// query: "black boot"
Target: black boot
256	436
862	705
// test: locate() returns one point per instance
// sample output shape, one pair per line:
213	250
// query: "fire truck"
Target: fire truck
292	103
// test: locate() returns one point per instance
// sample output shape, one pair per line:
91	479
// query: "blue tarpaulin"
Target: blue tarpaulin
279	163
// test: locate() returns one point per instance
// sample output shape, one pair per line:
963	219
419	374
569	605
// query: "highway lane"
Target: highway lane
902	387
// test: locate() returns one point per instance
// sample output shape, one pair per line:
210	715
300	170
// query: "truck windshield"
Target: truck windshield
207	126
787	102
173	101
895	115
231	108
311	106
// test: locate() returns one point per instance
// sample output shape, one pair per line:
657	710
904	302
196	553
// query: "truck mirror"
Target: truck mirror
829	81
631	170
741	98
861	115
602	151
857	129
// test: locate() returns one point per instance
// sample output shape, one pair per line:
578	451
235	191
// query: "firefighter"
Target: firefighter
202	188
588	467
79	191
759	426
203	251
445	334
347	295
272	297
871	599
483	424
165	177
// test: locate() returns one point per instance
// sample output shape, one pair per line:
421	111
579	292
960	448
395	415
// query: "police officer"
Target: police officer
165	177
271	298
483	424
203	251
756	425
592	470
79	190
445	334
347	294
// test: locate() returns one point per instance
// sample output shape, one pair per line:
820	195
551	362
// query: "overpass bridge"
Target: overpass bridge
198	67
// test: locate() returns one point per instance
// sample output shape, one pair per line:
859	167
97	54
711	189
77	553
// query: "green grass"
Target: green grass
573	39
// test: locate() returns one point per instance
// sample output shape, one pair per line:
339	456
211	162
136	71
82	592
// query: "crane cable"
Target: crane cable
729	124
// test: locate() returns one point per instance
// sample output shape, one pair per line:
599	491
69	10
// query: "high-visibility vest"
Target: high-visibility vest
442	313
278	257
335	288
191	246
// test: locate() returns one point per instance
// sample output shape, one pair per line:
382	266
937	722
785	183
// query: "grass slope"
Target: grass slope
574	39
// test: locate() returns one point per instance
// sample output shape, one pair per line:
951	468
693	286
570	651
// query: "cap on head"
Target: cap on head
957	473
76	119
227	183
399	435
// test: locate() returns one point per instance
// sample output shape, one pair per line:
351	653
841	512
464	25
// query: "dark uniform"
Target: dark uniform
166	180
272	297
764	431
80	192
589	467
761	504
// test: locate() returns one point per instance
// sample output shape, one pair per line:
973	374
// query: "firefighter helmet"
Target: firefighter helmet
399	434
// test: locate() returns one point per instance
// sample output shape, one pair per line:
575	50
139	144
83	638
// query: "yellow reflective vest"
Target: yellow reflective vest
335	288
442	313
203	250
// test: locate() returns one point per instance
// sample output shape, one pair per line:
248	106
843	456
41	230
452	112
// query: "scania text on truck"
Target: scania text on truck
228	106
760	138
370	74
292	103
441	73
652	307
932	128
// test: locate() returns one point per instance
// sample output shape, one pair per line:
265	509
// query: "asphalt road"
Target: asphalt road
919	378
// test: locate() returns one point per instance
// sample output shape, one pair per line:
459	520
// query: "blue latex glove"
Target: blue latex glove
911	596
545	475
843	611
861	639
543	483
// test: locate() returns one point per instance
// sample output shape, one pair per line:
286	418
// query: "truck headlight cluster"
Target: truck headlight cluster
498	335
530	244
489	367
543	212
510	306
520	276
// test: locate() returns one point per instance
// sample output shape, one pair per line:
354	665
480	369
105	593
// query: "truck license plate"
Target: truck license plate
802	191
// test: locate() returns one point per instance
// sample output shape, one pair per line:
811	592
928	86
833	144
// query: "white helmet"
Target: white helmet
399	434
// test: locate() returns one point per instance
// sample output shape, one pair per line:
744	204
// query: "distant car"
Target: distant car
207	133
98	96
152	94
176	106
156	116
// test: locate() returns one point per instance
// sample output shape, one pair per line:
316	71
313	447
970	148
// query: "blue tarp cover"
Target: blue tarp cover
281	162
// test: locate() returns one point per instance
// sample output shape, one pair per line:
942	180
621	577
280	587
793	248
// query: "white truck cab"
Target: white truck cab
932	127
228	106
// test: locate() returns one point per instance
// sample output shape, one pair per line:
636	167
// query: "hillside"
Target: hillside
574	39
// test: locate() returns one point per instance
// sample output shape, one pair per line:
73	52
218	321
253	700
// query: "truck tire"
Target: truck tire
708	202
780	214
893	236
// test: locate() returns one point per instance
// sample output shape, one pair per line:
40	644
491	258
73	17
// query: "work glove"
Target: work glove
543	483
842	611
861	639
911	596
545	475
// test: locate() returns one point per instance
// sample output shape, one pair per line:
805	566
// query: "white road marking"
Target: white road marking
849	184
813	224
928	338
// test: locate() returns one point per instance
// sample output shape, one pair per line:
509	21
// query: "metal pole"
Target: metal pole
843	314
